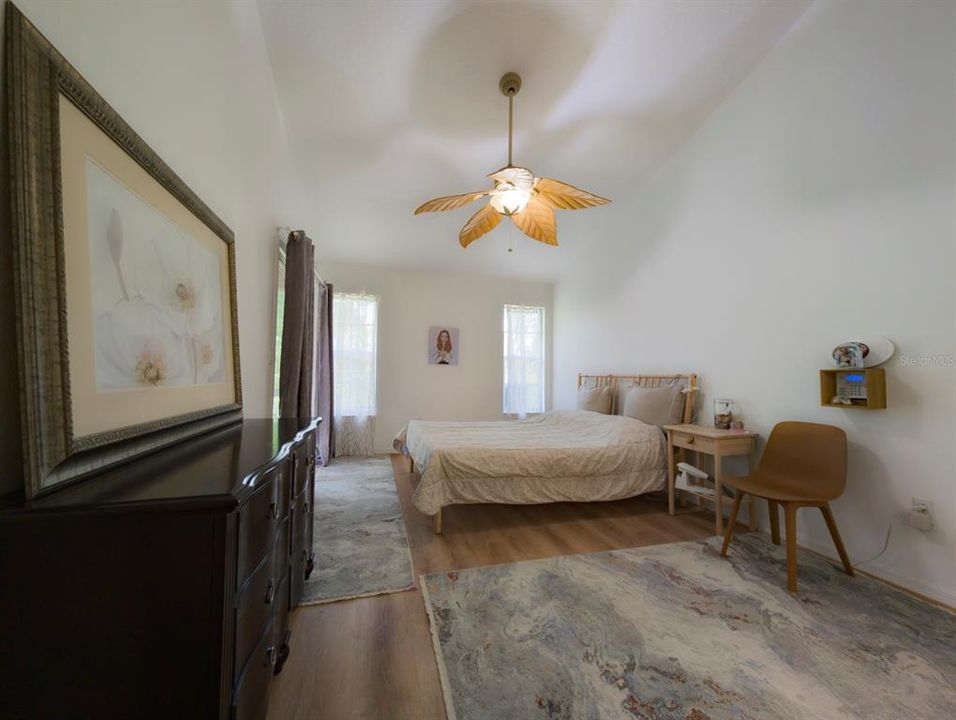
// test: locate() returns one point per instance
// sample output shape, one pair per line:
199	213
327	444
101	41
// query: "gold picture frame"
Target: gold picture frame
125	280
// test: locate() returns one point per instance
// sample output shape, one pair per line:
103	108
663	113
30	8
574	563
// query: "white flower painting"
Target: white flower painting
157	295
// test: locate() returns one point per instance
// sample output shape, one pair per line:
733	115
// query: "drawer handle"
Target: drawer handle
271	656
305	507
274	510
270	591
689	441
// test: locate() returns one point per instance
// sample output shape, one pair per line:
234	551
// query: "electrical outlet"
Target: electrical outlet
922	515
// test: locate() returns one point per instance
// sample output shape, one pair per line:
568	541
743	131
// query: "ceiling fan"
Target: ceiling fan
529	201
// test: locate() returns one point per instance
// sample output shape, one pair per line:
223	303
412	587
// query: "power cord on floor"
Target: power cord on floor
886	545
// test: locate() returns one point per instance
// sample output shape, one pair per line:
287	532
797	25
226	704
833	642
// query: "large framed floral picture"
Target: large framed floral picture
127	330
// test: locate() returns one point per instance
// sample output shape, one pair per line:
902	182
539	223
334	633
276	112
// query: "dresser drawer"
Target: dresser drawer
251	698
282	634
301	517
258	520
693	442
303	461
280	552
299	551
283	473
254	610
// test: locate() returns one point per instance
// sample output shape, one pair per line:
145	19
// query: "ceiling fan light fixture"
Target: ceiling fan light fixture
528	200
510	200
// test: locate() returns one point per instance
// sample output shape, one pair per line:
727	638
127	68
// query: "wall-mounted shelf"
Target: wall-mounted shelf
869	387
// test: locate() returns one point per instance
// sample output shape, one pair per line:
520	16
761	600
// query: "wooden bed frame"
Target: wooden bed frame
644	381
613	382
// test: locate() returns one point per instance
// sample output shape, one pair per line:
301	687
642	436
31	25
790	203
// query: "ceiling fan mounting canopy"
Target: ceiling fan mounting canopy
529	201
510	84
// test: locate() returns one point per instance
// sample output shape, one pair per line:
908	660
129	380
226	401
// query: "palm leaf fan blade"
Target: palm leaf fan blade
537	222
449	202
563	196
481	223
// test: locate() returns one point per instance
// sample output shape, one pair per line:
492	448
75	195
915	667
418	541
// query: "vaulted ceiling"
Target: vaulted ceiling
388	104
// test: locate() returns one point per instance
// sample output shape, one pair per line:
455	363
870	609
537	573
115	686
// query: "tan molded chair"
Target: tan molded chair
803	465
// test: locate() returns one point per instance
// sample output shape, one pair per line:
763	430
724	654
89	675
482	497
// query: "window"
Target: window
523	390
354	335
279	316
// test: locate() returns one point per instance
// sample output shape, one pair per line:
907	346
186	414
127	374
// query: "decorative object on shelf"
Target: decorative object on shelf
875	348
853	388
529	201
116	255
442	346
723	413
736	425
881	349
850	354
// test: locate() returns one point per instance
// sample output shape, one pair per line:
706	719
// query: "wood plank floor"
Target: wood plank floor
372	657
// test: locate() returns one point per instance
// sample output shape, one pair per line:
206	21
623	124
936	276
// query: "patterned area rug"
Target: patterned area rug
674	632
359	541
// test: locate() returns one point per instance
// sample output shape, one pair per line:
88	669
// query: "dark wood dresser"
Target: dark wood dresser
161	588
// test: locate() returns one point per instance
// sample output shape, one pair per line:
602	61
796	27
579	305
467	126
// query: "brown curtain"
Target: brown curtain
323	371
298	322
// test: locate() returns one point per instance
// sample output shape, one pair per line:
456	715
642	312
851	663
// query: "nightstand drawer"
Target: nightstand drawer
693	442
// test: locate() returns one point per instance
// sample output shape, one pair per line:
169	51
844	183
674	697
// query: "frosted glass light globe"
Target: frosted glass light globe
510	201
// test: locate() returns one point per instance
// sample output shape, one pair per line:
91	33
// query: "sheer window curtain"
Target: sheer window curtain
524	361
323	395
354	348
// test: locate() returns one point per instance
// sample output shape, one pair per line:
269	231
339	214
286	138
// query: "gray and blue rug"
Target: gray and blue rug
359	533
675	632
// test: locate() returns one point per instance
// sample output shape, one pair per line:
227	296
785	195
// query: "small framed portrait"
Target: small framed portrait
442	345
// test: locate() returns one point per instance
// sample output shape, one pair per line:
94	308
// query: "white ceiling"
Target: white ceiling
388	104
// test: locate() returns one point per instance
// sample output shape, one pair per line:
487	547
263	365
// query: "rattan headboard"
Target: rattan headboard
622	383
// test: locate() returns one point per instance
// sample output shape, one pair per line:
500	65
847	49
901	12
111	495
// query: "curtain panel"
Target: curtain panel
298	322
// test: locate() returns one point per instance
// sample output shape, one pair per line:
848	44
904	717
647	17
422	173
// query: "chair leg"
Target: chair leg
835	534
436	523
774	509
731	521
790	513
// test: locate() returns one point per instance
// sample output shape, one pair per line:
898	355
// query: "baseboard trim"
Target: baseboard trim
914	587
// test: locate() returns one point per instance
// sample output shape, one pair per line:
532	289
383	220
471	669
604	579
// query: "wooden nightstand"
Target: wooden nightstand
719	444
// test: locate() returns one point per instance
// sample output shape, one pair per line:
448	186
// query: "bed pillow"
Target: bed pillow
655	406
595	399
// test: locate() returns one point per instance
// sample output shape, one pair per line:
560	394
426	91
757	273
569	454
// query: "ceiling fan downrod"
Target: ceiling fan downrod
510	84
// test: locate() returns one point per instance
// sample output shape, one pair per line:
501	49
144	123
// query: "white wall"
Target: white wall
194	80
409	303
817	204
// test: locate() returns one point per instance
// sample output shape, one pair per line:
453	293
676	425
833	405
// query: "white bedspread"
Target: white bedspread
563	455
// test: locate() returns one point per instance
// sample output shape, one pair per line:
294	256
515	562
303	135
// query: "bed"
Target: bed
568	455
